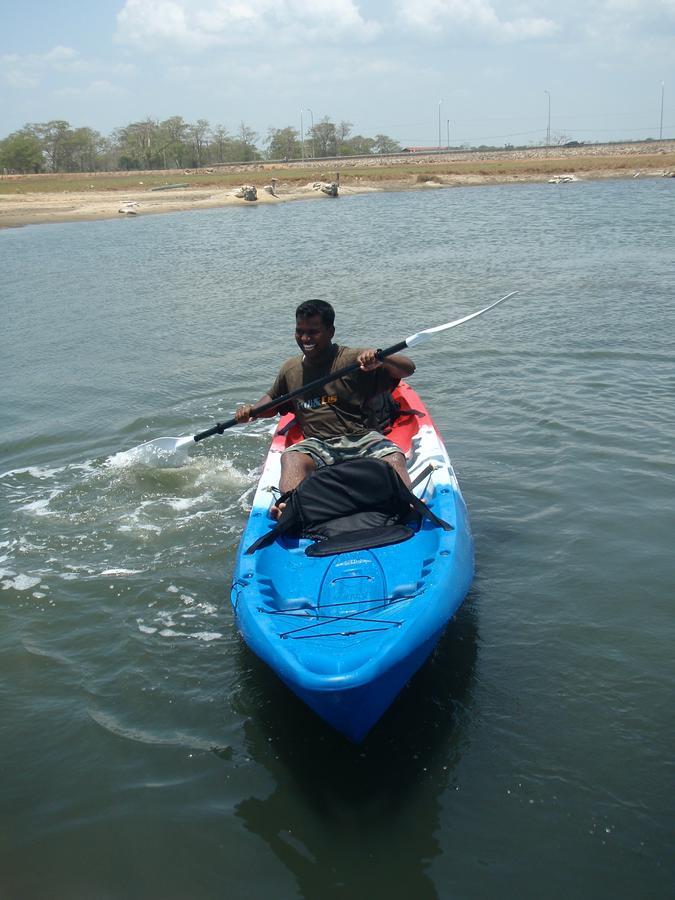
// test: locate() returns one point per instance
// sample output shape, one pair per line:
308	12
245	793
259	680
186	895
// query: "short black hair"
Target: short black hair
322	308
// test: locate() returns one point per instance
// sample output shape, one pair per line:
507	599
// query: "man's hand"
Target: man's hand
244	413
398	366
368	360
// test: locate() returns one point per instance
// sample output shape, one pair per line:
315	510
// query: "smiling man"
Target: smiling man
336	423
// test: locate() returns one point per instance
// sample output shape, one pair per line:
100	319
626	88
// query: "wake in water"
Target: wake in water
119	521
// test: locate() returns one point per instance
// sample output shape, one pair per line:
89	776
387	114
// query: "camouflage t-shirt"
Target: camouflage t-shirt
340	406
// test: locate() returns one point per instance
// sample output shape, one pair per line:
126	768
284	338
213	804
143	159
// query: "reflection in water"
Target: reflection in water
360	819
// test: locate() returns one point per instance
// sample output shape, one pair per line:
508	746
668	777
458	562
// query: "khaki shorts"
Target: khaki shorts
340	449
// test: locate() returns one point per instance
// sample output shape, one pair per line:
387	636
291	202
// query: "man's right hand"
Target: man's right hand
244	413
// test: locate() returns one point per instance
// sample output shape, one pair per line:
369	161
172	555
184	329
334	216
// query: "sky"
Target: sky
419	71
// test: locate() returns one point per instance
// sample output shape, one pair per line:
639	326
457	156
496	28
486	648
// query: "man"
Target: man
335	423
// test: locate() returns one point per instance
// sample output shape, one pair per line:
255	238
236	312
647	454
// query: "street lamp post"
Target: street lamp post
439	124
302	138
661	125
548	127
312	115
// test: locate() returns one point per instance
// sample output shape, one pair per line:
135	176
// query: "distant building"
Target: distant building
422	149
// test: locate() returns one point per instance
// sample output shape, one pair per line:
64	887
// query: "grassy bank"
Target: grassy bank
495	166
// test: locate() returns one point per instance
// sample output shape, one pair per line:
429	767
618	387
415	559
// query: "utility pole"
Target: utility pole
312	115
302	138
439	124
548	127
448	125
661	125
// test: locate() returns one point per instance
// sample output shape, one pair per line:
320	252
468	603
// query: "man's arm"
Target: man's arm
398	366
244	412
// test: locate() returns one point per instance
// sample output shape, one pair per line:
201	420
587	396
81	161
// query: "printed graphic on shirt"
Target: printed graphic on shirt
317	402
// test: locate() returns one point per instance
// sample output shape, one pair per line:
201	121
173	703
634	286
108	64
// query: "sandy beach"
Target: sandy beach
41	199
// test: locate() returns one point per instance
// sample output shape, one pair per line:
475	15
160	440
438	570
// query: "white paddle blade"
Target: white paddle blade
420	337
162	453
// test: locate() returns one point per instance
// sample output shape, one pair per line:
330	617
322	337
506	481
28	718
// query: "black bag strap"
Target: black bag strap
424	510
289	519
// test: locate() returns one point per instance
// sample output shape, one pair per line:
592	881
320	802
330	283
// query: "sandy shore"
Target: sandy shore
133	198
78	206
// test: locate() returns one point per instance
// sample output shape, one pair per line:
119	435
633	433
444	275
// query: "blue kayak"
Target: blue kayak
346	632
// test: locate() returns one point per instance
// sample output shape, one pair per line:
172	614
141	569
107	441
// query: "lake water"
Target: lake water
145	753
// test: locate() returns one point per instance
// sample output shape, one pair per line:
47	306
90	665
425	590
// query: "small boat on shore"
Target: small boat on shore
129	208
170	187
347	630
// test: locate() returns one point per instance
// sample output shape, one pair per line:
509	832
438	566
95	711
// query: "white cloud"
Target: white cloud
26	71
629	25
195	25
476	16
59	56
16	78
65	72
100	88
641	7
56	58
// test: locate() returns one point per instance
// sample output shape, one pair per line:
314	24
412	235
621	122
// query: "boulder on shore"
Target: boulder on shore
328	187
247	192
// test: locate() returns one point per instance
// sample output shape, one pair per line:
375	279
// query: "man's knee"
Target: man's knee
398	463
295	467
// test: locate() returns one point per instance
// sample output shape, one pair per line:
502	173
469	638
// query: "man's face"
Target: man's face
312	336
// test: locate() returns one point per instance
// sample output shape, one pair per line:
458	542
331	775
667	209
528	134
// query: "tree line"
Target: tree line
174	144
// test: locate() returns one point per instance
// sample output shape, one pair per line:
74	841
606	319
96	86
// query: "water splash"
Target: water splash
161	453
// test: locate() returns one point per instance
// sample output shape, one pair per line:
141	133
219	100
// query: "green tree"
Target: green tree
107	155
81	150
52	136
325	137
199	138
342	132
220	139
243	147
140	142
21	152
357	146
174	142
283	143
384	144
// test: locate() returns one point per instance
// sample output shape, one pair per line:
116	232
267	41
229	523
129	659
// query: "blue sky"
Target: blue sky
397	67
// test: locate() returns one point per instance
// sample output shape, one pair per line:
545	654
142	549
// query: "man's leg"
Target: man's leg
397	462
295	467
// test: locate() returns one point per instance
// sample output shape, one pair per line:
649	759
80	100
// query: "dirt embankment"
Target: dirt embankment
39	199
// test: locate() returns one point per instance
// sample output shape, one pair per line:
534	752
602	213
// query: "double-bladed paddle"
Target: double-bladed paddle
170	451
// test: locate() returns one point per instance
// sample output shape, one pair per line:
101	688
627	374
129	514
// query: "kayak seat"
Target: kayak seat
361	539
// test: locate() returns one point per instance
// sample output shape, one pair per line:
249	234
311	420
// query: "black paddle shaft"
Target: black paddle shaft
220	427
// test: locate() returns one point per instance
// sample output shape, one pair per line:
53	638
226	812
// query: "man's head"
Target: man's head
314	328
322	308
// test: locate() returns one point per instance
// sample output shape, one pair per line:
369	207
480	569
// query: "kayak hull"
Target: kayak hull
346	632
